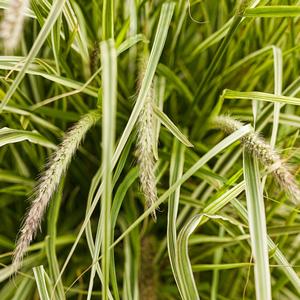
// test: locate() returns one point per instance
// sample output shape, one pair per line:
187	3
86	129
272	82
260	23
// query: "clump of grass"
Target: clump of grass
192	64
144	146
11	26
49	181
268	156
148	274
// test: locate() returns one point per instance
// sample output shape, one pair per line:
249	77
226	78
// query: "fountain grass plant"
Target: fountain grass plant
219	187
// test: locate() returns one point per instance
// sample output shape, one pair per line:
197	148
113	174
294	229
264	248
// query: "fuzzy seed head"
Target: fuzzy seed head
267	156
144	150
288	182
48	183
12	24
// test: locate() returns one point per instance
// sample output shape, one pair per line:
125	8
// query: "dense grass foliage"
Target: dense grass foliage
110	133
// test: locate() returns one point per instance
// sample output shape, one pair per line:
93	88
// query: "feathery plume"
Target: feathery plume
49	181
267	156
12	24
148	273
144	148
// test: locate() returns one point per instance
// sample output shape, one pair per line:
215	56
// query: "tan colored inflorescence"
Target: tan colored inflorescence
144	149
11	26
49	181
264	153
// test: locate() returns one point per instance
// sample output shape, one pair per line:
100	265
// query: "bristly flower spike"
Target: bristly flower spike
144	145
49	181
11	26
267	156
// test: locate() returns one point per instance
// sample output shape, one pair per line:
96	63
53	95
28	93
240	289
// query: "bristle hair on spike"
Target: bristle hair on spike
48	183
267	156
144	145
11	27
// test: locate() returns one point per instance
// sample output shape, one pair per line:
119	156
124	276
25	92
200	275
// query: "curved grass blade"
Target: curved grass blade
258	228
40	278
11	136
35	69
189	288
260	96
185	268
273	11
176	169
164	119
